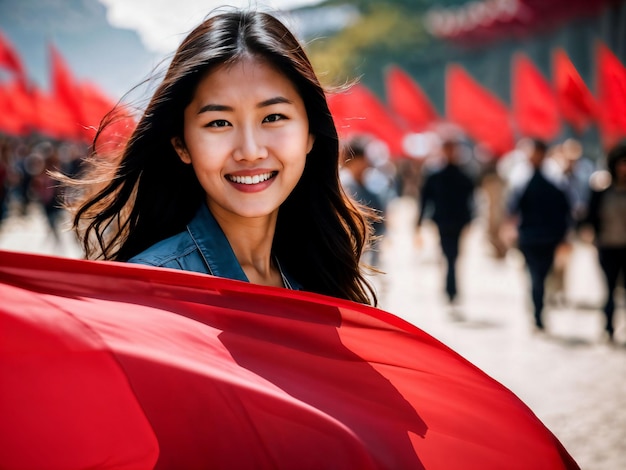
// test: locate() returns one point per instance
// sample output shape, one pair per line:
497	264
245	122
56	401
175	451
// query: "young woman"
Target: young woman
232	170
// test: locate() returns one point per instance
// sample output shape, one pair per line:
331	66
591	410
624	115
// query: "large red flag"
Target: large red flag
407	101
10	59
534	104
359	111
483	116
114	365
611	96
576	102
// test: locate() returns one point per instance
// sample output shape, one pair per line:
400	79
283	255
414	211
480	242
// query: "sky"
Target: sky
111	43
162	24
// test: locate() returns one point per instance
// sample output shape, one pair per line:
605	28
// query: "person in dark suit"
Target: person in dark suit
447	198
607	217
539	206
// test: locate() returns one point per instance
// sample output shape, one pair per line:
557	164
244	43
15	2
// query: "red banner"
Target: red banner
358	111
534	103
64	85
483	116
10	60
124	366
70	111
17	114
53	118
611	96
94	106
407	101
576	103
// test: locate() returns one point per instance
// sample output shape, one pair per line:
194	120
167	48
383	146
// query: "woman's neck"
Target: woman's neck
251	240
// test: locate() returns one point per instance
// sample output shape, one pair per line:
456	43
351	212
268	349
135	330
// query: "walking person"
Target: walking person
447	197
567	158
353	178
607	216
539	208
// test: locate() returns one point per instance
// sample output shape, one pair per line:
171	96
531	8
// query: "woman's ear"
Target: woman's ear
310	142
181	149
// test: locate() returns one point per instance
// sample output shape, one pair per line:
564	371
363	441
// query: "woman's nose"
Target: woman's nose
250	145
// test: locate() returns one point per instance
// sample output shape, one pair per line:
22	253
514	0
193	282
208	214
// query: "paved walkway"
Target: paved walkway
570	377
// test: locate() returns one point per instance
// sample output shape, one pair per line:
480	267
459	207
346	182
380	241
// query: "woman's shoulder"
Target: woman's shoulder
168	252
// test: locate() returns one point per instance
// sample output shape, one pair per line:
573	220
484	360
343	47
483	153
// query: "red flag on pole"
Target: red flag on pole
359	111
407	101
10	60
535	108
611	96
483	116
576	103
131	366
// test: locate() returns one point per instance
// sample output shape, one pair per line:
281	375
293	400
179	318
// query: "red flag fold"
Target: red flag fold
127	366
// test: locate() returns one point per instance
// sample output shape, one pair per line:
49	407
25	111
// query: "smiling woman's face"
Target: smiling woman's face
246	134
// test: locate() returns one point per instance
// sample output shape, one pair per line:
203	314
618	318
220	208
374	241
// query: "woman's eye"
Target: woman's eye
274	118
218	123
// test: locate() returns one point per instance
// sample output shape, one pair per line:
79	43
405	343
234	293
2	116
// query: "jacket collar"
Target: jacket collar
216	250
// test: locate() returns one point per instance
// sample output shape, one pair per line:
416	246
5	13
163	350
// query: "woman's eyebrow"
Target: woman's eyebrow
275	100
214	107
262	104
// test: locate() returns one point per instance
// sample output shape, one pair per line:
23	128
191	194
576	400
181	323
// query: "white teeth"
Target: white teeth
250	179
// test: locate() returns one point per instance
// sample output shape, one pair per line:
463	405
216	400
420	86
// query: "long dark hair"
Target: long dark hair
150	194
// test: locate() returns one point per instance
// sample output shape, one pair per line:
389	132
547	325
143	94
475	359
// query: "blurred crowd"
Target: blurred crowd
538	199
25	180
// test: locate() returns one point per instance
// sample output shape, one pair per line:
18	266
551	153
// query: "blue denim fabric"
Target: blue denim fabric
202	248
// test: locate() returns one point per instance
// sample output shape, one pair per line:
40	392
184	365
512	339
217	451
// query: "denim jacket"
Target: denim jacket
202	248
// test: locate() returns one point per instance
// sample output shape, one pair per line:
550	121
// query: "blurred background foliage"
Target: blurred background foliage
384	29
